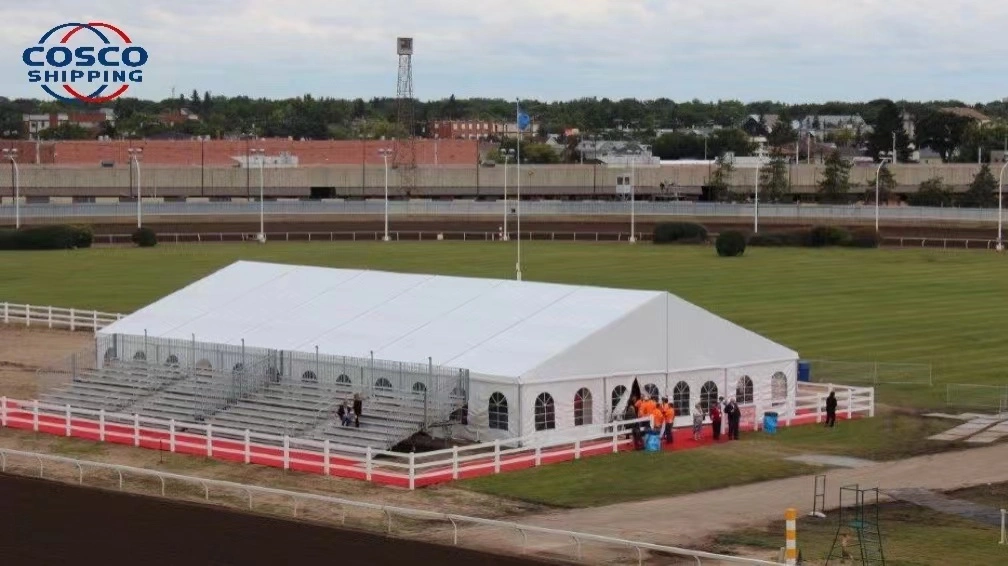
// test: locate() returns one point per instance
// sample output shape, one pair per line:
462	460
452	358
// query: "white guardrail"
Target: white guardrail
299	499
56	317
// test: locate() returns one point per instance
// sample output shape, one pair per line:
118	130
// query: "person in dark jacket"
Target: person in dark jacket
358	406
831	405
629	414
734	415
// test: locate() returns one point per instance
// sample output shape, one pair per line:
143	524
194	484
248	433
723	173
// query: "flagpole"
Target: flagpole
518	185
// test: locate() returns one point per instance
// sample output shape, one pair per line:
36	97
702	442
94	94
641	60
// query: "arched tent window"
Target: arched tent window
617	393
383	384
583	407
744	390
140	357
681	399
651	390
172	361
419	388
708	394
309	377
778	389
497	411
545	412
343	379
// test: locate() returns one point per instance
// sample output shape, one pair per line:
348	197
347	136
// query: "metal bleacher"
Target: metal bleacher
115	388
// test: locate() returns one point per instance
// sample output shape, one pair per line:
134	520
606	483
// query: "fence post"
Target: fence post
328	457
73	320
66	420
412	470
94	320
367	464
136	429
1003	541
50	316
3	411
819	408
248	446
455	463
6	313
171	436
577	449
27	315
850	403
35	411
875	376
101	425
497	456
538	456
286	452
615	438
791	542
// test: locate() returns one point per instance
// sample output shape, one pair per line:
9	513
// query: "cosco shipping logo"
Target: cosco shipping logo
93	62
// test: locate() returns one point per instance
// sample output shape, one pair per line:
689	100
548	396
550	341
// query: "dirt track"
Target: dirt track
52	523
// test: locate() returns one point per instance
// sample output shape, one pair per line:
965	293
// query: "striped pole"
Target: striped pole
791	544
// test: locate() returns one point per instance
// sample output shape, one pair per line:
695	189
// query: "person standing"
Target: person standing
698	416
715	417
630	414
358	406
669	412
831	405
734	415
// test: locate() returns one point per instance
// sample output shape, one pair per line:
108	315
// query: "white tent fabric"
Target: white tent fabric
504	332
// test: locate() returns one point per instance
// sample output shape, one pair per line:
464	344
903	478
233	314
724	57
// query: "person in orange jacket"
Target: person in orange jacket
657	419
668	411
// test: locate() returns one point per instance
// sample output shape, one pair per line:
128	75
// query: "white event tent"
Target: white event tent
542	358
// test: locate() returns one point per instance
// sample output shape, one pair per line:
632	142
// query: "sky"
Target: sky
785	50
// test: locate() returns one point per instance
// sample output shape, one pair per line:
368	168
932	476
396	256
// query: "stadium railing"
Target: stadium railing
298	501
56	317
409	470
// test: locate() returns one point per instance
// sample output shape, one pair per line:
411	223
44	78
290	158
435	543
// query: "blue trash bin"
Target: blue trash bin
804	372
770	422
652	442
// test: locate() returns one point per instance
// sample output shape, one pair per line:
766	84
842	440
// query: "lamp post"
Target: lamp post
1000	245
134	153
878	172
633	205
508	153
385	153
16	181
759	166
261	154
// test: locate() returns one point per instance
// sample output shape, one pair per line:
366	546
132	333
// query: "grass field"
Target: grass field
912	536
921	306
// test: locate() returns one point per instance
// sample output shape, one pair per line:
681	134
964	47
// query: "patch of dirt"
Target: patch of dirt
23	351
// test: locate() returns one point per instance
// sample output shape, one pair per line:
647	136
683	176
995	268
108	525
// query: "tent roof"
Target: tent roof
502	328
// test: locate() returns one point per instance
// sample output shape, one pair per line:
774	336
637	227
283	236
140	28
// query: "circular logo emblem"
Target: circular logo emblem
78	61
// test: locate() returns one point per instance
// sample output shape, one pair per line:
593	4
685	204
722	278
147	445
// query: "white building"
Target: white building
541	358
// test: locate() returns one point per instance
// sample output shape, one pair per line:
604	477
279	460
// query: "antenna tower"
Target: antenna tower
405	159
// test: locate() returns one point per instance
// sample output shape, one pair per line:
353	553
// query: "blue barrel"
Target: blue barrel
770	422
652	442
804	371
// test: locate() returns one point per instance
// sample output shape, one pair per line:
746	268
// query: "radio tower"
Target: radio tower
405	149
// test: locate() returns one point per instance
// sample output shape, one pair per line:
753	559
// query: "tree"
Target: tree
886	185
982	191
782	134
887	121
941	131
775	183
835	184
932	192
720	179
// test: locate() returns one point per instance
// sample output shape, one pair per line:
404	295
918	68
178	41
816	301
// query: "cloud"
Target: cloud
790	50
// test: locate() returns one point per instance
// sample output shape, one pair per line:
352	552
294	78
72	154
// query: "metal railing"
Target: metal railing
299	500
373	235
492	209
968	396
872	373
56	317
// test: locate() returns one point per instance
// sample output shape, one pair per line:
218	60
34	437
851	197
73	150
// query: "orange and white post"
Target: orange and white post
790	536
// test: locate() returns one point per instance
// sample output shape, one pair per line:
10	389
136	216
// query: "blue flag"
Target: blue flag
523	120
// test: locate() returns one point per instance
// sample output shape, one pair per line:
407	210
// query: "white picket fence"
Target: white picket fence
15	461
56	317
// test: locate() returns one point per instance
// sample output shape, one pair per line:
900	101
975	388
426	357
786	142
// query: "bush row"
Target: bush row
55	237
680	233
818	237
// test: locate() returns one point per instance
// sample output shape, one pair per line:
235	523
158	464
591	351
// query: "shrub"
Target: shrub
681	232
864	238
52	237
730	244
144	237
822	236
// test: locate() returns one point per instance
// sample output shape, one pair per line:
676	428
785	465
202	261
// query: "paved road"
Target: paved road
470	208
686	520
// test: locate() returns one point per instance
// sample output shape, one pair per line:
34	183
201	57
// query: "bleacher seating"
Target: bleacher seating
114	388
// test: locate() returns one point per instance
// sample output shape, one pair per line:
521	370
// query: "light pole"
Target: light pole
1000	246
385	153
518	183
759	166
878	172
633	206
508	153
16	180
261	153
134	153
